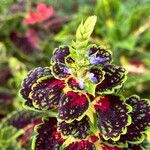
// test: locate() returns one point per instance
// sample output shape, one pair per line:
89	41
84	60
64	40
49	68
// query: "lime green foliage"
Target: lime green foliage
8	136
84	31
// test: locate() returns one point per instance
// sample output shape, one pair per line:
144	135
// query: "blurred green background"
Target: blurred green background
123	26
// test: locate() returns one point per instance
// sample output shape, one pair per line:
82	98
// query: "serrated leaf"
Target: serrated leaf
73	106
112	116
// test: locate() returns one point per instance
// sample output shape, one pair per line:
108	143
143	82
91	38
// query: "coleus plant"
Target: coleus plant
80	90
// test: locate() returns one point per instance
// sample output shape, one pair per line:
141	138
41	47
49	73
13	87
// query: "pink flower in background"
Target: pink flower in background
41	13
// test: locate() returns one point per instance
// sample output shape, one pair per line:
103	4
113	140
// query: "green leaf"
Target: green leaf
90	87
84	31
9	133
9	136
128	43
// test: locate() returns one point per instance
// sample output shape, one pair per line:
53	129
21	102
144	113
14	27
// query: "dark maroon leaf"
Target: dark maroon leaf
41	90
48	138
32	77
47	93
113	79
21	119
72	106
77	129
60	54
140	120
112	116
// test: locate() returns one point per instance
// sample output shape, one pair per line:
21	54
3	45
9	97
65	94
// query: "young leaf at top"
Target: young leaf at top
84	31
